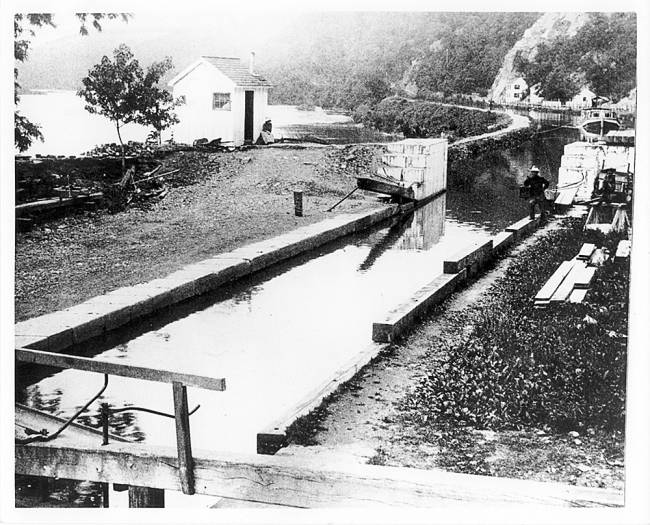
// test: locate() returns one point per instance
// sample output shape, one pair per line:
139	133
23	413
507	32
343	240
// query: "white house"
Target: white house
533	96
584	99
222	98
517	90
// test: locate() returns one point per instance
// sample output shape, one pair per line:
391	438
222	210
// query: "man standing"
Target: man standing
536	185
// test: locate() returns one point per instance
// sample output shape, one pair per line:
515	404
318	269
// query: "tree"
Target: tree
554	70
25	132
602	55
157	105
119	90
468	51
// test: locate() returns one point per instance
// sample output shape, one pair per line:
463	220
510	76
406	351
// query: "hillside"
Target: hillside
349	59
564	52
330	59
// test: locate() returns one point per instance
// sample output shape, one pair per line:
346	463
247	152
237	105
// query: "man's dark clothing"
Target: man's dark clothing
537	186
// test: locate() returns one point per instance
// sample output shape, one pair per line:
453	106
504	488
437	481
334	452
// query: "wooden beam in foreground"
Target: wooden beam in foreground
40	357
297	482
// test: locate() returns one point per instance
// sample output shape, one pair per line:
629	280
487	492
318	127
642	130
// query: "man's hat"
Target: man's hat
534	168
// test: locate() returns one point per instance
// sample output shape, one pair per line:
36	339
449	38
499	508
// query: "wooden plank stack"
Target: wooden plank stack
565	197
623	250
571	280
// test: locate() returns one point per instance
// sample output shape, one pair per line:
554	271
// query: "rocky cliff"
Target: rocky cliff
546	28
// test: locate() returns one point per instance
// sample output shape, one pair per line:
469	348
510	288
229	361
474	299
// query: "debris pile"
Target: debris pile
353	160
131	149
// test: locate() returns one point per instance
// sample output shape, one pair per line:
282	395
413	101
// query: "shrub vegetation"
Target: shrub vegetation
427	119
561	367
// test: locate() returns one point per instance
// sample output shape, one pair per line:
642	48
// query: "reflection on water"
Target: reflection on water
274	337
427	226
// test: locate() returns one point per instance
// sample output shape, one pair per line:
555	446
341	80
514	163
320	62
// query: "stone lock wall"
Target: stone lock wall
417	163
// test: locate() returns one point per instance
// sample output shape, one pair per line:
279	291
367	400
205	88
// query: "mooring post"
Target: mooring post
183	442
297	203
146	497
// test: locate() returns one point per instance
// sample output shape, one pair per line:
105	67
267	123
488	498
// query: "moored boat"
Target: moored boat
597	122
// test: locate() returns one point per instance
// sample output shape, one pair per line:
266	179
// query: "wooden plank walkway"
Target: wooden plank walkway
297	482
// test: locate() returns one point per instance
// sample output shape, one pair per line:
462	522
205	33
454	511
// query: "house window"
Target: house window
516	86
221	101
516	95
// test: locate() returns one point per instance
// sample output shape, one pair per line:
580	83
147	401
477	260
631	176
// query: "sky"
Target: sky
254	28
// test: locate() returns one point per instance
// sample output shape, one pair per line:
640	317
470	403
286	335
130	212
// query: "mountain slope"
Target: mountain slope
545	29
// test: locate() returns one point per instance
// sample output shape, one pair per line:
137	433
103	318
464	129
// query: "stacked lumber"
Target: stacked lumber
570	282
623	250
565	197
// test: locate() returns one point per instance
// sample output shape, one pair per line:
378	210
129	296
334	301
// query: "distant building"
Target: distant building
583	100
222	98
516	91
533	97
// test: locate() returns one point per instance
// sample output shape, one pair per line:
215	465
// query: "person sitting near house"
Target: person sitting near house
266	137
536	184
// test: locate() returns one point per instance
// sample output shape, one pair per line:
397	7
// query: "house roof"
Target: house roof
229	66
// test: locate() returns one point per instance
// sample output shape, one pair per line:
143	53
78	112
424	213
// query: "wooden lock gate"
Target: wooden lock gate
179	381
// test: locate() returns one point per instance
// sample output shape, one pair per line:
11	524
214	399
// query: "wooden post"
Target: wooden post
145	497
43	487
105	415
297	203
183	441
105	492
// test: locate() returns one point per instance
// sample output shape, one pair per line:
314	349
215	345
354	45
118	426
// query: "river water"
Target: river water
68	129
277	335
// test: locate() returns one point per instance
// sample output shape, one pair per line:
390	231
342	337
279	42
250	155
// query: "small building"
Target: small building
533	96
517	91
220	98
583	100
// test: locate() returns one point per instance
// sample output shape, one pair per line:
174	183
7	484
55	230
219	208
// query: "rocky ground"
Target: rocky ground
215	203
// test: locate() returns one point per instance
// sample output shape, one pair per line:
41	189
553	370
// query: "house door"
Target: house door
248	117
